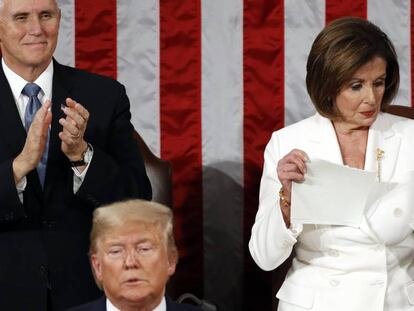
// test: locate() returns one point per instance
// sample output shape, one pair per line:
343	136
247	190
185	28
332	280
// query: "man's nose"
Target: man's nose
34	26
131	260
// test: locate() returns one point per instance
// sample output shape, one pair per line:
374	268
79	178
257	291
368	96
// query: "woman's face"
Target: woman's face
359	101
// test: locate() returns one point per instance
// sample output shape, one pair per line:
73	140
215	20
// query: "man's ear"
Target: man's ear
96	266
59	16
171	267
172	262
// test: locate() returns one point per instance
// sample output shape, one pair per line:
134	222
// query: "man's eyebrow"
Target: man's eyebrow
115	243
24	13
119	243
20	14
50	11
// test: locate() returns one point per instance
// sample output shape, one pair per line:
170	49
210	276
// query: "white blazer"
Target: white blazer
339	268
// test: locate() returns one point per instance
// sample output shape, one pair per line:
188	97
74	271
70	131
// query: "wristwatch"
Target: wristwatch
86	157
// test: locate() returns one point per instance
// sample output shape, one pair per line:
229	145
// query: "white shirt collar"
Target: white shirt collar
161	307
17	83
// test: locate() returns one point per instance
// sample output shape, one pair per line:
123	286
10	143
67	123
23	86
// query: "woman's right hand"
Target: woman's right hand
292	167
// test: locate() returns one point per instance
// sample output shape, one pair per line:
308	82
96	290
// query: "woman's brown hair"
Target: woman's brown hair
340	49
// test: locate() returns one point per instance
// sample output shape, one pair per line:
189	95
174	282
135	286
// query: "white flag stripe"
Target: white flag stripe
65	50
222	150
393	17
138	64
303	21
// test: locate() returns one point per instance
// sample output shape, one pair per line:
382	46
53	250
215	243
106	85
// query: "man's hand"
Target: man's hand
74	126
35	143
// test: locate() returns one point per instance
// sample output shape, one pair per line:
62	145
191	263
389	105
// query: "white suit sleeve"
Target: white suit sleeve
271	242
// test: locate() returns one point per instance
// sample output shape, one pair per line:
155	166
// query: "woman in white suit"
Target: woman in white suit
352	76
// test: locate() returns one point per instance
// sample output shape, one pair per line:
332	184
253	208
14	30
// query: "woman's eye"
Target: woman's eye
356	87
379	83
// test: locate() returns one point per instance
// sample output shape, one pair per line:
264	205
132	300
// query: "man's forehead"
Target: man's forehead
133	234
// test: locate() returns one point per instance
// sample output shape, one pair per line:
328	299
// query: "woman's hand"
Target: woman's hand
292	167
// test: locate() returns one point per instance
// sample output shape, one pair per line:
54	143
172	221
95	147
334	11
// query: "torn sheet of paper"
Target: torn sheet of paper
331	194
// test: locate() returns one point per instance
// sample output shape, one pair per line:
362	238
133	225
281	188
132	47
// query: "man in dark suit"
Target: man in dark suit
66	147
133	254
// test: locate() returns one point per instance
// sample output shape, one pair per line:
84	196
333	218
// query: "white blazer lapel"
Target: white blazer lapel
382	138
324	142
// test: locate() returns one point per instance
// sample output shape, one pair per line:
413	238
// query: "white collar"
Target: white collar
17	83
161	307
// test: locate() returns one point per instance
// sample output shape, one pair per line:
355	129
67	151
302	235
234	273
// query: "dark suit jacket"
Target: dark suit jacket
44	241
100	305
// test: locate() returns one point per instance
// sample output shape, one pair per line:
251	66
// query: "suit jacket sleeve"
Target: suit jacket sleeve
117	170
271	242
10	207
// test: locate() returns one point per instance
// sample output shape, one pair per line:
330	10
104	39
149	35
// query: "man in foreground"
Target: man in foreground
66	147
133	254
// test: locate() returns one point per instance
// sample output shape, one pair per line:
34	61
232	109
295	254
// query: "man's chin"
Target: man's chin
139	296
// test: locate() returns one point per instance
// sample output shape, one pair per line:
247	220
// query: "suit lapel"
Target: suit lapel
382	138
10	120
324	144
55	156
323	141
11	123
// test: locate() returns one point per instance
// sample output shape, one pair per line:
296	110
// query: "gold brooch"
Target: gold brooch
379	156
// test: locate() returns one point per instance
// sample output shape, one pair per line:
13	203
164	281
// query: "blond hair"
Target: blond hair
121	214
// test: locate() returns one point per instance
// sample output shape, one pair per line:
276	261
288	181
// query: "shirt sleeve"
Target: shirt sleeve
79	177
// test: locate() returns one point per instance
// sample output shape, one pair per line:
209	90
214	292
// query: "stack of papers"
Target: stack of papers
332	194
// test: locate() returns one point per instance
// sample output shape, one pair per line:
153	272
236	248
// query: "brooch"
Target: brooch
379	156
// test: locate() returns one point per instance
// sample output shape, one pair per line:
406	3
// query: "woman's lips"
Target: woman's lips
368	114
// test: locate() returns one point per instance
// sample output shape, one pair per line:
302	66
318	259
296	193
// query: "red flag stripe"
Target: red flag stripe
263	113
95	36
180	123
336	9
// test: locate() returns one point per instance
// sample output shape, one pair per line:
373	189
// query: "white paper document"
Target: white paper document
331	194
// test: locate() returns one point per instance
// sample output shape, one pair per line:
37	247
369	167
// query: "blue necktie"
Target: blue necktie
32	90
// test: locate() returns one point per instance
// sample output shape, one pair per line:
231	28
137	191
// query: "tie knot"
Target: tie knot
31	89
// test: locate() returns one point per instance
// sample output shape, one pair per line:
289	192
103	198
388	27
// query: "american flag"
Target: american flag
208	81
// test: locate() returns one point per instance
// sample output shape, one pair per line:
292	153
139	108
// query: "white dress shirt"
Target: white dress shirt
161	307
44	81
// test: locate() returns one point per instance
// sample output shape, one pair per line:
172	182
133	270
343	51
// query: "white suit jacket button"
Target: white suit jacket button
334	283
378	283
398	212
333	253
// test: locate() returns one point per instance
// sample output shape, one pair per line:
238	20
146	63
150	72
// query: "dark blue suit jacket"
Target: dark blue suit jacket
45	240
100	305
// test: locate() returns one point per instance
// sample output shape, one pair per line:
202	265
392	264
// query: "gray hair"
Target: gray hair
2	3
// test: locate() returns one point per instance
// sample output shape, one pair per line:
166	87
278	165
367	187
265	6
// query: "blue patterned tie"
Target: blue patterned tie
32	90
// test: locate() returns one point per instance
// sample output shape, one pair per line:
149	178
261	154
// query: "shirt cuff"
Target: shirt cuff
21	186
78	177
294	230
